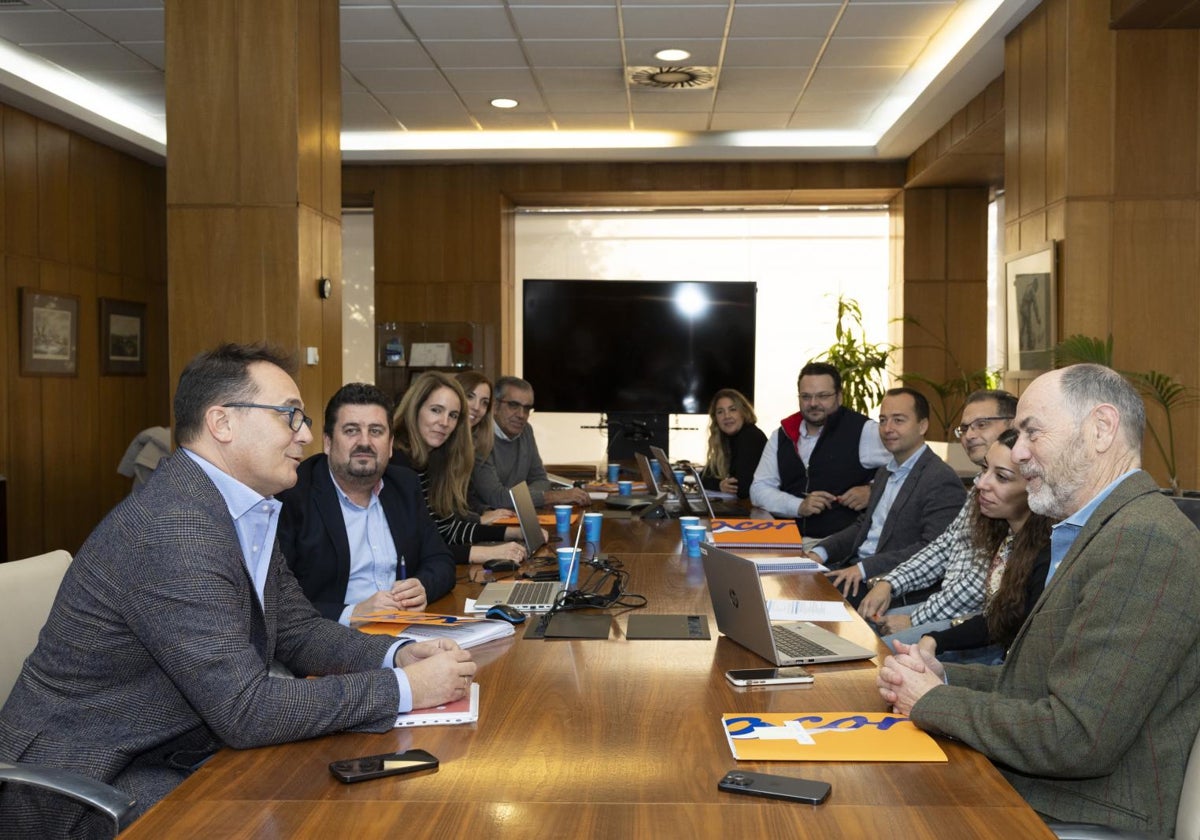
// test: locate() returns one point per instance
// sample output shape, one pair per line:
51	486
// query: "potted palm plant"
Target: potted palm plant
863	363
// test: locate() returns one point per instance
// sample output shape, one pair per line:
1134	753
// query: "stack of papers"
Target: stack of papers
468	632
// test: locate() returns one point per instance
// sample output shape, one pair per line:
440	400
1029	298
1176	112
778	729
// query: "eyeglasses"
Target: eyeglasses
821	397
977	425
519	407
296	415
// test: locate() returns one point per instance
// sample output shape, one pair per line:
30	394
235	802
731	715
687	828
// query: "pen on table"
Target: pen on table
403	569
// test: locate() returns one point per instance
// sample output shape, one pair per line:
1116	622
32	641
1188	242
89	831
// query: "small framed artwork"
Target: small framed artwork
1031	282
122	337
49	333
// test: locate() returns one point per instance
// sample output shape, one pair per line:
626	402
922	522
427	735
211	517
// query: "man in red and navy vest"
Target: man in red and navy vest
818	465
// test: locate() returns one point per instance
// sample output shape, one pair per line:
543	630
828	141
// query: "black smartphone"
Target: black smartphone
775	787
769	676
378	766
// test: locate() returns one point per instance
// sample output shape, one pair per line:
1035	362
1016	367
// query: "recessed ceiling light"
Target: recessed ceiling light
672	55
504	103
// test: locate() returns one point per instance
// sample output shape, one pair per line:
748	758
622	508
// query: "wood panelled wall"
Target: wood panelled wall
443	234
82	219
1101	141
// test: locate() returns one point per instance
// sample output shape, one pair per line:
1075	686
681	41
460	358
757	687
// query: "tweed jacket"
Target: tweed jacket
1093	714
156	654
312	535
927	503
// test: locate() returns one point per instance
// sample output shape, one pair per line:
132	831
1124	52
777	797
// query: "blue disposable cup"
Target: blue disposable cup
625	488
656	469
562	519
680	475
614	470
692	535
685	521
591	528
565	556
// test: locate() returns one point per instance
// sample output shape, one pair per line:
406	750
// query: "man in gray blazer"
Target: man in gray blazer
914	497
157	650
1093	713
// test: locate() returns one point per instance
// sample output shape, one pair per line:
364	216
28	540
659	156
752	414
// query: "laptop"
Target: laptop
528	596
619	502
697	504
741	610
720	507
527	518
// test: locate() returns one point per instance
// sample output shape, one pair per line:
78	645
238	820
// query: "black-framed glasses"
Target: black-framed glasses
823	396
519	407
295	414
977	425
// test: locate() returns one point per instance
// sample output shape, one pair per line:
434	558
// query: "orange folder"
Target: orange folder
828	736
756	533
546	520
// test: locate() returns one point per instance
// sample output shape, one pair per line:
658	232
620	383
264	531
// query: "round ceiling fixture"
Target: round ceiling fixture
504	103
672	78
672	55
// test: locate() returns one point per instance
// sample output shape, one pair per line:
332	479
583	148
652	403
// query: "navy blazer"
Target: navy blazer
927	503
312	535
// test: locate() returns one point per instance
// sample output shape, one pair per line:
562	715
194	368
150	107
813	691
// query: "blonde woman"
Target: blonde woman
734	444
432	438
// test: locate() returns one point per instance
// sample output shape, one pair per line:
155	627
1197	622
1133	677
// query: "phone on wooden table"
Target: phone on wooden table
775	787
377	766
769	676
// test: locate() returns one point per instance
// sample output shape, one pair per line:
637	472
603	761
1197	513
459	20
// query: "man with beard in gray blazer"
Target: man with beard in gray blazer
1094	711
158	648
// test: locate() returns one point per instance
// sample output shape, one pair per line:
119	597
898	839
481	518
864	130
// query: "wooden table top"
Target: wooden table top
611	738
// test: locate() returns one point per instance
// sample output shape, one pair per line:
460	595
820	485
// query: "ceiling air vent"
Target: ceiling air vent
673	78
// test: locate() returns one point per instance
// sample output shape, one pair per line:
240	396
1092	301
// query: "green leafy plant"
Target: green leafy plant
863	364
1158	388
950	394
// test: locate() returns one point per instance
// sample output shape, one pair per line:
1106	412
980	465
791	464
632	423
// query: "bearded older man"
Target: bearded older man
1093	713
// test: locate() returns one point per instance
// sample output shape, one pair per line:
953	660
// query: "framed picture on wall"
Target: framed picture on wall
1031	283
122	337
49	333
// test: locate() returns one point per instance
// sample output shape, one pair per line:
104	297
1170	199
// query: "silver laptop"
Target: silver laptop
527	518
619	502
530	596
741	610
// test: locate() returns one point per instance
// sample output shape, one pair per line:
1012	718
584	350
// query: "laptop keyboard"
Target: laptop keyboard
539	592
793	644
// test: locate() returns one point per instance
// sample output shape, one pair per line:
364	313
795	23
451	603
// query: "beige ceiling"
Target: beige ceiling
416	66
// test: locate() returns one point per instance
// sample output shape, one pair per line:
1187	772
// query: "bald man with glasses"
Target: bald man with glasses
514	457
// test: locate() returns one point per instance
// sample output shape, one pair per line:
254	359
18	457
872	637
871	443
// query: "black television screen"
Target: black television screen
637	345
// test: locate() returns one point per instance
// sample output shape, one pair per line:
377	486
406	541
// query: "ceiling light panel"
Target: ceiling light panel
446	22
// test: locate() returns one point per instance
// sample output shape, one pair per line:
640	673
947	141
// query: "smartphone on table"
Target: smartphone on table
377	766
793	674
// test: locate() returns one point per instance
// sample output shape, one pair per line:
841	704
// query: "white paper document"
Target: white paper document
784	610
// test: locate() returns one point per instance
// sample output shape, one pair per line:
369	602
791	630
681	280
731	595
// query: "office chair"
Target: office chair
30	586
1187	818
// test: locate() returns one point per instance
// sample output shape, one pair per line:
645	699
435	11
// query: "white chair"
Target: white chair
1187	818
29	587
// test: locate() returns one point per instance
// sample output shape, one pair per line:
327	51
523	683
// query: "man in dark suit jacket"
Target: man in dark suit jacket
398	560
913	499
1093	713
157	650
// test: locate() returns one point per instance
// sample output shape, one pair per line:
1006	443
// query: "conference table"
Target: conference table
604	738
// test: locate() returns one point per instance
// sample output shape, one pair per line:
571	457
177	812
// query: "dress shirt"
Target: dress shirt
256	519
899	473
765	490
951	558
1062	535
372	551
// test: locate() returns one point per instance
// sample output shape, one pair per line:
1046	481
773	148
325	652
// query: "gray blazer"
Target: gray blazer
156	654
927	503
1093	714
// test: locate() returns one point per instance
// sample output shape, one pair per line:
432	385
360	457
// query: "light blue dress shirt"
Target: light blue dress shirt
372	550
1063	535
256	519
899	474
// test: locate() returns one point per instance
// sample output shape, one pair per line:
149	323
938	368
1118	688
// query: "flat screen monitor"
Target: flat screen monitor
637	345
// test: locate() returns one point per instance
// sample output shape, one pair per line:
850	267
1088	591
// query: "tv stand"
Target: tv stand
634	431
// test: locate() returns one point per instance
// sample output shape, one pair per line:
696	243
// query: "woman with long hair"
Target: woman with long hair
1013	545
734	444
478	389
430	439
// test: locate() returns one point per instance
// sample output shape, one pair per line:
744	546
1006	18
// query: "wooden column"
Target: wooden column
254	181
